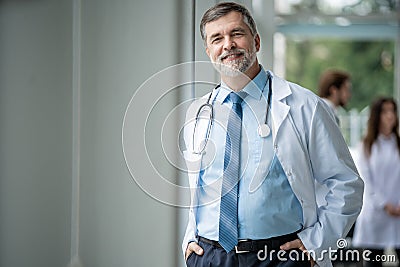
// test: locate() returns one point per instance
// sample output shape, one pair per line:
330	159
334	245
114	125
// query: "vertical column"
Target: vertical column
396	86
264	14
186	53
76	129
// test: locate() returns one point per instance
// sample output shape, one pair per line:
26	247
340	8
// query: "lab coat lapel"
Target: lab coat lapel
279	108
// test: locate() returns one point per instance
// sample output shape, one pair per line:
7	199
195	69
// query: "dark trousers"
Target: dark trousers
375	258
217	257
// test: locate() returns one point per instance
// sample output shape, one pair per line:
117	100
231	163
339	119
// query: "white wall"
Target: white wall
68	70
35	132
123	44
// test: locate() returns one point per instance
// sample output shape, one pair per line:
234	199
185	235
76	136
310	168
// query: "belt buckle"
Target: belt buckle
241	251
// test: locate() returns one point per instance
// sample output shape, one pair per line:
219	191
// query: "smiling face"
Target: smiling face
388	118
231	46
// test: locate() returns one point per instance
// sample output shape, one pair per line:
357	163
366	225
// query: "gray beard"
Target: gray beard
236	67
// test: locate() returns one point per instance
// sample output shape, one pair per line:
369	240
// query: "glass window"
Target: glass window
337	7
371	64
358	36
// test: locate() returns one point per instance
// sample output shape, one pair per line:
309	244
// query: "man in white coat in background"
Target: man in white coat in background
334	87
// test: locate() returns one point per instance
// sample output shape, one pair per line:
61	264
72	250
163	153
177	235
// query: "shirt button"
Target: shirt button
289	173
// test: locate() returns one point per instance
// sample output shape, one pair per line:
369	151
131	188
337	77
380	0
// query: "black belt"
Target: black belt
248	245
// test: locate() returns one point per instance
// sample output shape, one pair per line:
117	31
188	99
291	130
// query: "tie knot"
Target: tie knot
235	98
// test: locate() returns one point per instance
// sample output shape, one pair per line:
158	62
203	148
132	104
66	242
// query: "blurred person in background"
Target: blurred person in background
335	89
378	226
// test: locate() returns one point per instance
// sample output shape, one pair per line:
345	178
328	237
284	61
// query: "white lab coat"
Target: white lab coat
310	148
332	108
381	173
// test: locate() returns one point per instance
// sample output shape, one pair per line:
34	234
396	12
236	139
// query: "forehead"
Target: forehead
387	106
225	23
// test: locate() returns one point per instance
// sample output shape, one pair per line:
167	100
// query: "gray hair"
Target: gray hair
223	9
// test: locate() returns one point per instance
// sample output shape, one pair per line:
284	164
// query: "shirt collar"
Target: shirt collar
254	88
384	138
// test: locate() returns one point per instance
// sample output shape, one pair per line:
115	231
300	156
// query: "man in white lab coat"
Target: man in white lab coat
305	146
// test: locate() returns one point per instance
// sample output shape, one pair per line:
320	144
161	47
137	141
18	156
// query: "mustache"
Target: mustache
236	52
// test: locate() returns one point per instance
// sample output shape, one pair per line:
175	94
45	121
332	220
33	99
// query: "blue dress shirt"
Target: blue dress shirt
267	206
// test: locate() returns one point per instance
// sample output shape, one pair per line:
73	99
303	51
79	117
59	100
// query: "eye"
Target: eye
237	33
216	40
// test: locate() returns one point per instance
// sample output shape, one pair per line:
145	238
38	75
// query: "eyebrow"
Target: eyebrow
215	35
234	30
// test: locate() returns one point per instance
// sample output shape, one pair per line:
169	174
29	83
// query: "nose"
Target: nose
229	44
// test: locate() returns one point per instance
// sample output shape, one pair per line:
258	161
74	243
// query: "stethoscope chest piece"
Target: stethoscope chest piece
263	130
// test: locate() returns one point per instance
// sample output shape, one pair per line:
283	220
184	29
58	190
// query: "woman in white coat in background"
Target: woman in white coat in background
378	226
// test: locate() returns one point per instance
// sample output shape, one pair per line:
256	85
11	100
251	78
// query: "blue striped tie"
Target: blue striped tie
228	220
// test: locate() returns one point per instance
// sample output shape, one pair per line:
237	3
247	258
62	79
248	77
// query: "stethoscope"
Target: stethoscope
263	129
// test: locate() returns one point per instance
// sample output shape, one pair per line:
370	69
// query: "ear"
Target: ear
208	51
258	42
